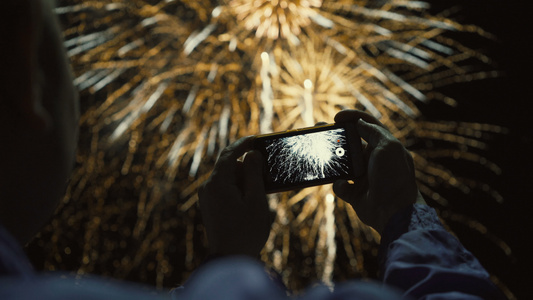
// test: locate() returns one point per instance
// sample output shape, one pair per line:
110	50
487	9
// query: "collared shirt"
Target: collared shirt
419	259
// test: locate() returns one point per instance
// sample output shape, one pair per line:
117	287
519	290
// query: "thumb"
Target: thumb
253	175
349	192
343	190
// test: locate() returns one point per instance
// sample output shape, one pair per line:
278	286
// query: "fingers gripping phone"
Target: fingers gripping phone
310	156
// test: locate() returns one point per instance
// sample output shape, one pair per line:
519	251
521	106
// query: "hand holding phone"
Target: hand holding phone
389	184
233	205
310	156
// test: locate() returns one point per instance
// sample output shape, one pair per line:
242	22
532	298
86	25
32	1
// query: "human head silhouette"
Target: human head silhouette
39	114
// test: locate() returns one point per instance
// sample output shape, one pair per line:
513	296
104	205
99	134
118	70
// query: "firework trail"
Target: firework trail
167	84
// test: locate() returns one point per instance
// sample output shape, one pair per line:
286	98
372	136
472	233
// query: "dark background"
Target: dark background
504	101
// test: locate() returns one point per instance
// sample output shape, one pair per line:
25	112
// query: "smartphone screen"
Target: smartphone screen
307	157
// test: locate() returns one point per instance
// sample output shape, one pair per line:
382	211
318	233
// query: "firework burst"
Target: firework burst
167	84
273	19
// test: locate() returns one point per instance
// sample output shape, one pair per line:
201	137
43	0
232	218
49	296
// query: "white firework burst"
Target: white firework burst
308	157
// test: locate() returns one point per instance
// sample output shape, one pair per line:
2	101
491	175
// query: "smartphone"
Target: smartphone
310	156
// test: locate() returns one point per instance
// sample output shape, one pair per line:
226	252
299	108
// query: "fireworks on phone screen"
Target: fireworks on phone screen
307	157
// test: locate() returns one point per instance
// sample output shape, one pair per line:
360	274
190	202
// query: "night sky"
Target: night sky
502	101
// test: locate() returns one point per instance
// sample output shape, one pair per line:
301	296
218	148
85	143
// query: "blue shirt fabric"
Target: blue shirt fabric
419	259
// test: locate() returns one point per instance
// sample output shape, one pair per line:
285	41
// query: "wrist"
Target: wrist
420	199
392	211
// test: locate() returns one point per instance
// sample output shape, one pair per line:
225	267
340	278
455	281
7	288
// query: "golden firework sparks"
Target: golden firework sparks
167	84
275	18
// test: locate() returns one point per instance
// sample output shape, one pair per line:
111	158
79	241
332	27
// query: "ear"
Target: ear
23	84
